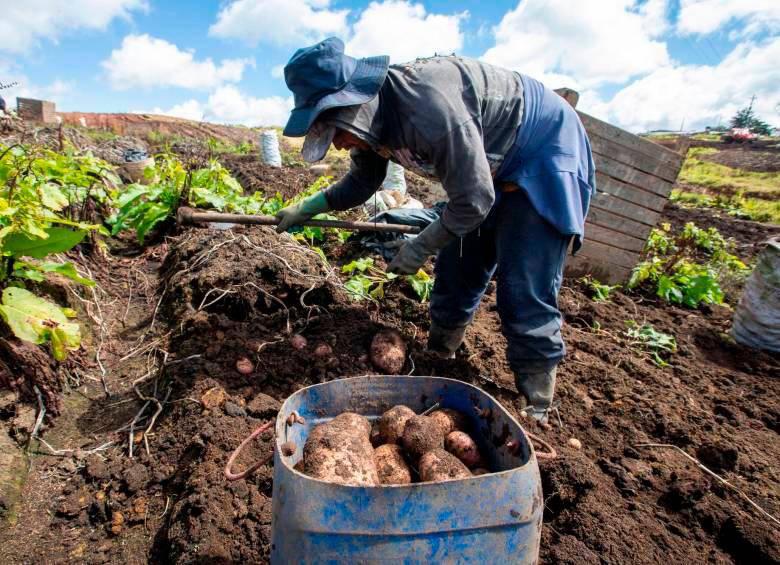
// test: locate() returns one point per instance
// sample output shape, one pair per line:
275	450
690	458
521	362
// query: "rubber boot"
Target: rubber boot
444	341
537	389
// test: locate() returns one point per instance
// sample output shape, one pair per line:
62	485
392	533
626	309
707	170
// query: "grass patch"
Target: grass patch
715	136
662	136
714	175
756	209
724	188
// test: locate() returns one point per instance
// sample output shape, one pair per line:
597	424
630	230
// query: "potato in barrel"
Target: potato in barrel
393	422
421	434
462	446
340	451
440	465
450	420
391	465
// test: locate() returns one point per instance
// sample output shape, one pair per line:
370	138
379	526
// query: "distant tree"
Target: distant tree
746	118
743	118
761	127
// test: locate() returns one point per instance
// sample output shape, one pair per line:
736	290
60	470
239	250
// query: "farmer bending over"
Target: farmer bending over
513	159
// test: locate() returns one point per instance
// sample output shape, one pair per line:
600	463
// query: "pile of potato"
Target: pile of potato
400	448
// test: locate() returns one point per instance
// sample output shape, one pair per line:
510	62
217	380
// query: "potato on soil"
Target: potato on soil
391	465
388	352
323	350
244	366
421	434
392	423
440	465
298	342
462	446
450	420
340	451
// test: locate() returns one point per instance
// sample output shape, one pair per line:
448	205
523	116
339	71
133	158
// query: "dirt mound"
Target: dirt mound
254	176
290	292
141	125
238	272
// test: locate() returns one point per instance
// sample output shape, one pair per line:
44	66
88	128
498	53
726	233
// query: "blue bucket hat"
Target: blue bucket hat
323	77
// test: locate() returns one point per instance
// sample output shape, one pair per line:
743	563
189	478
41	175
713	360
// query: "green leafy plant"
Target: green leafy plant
142	206
422	284
657	344
671	268
315	234
38	189
599	292
365	280
368	282
218	147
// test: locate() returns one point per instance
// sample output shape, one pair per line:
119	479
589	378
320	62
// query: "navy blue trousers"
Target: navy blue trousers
527	255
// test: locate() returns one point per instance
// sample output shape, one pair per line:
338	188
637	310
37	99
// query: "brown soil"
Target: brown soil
181	324
140	125
758	159
254	176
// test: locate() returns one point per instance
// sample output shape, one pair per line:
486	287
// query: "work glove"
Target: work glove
415	252
295	215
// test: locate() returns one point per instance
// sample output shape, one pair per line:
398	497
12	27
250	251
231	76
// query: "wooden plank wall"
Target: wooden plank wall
634	177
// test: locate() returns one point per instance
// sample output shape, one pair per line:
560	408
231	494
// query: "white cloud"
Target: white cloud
399	28
283	22
707	16
593	43
404	31
144	62
58	91
277	71
699	95
228	104
24	23
655	16
189	110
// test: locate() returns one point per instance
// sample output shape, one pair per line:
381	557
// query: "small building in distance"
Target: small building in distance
36	110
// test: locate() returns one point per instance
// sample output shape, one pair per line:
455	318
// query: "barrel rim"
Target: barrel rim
281	418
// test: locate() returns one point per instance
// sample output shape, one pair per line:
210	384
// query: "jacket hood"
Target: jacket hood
363	120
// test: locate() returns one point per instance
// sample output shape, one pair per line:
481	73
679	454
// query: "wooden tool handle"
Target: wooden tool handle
188	216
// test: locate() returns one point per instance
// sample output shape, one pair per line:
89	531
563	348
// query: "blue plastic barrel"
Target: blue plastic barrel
495	518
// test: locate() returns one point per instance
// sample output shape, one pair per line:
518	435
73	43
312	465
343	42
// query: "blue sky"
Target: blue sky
642	64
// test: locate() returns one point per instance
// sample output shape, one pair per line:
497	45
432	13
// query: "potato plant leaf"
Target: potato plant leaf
58	241
35	272
422	284
39	321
